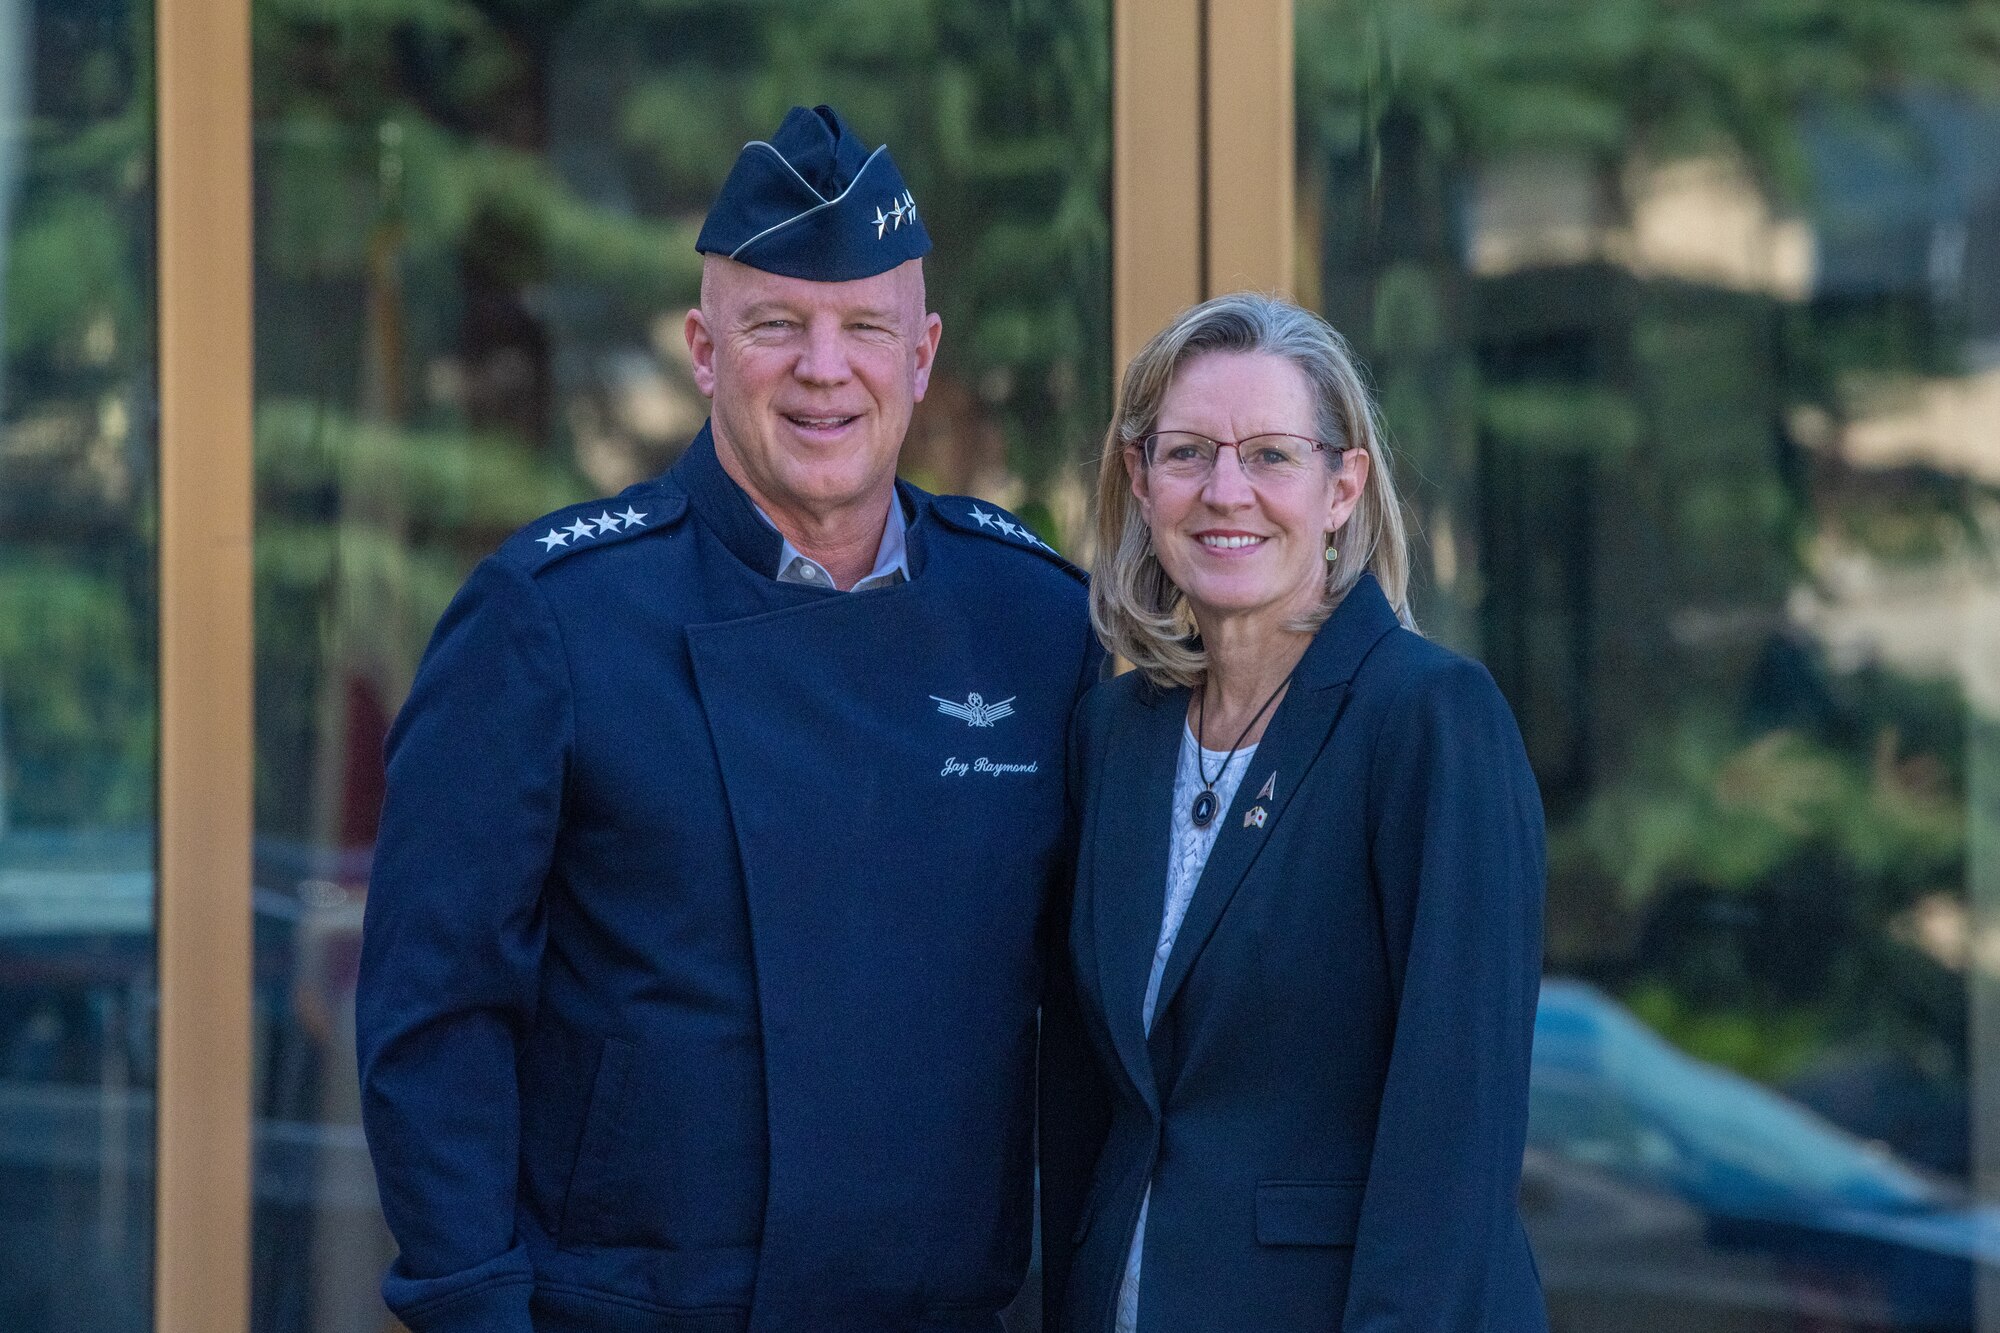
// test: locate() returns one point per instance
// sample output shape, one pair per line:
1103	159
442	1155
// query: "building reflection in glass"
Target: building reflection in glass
1685	318
78	667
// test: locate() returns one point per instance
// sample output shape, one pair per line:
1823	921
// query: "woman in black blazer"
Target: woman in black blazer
1306	937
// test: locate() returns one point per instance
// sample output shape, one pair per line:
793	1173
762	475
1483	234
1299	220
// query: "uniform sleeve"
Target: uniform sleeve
1074	1096
1458	867
451	950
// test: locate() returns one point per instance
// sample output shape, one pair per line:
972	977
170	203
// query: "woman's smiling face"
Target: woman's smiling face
1235	547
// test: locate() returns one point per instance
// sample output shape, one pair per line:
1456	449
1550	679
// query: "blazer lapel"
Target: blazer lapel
1130	856
1298	732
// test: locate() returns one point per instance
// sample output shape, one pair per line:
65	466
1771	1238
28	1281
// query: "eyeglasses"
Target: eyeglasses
1271	459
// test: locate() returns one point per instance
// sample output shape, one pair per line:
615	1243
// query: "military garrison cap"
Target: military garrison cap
815	203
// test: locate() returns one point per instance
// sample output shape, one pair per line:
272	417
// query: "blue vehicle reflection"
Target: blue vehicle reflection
78	994
1663	1193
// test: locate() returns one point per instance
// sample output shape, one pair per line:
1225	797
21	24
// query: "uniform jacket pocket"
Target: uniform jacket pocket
1308	1212
585	1205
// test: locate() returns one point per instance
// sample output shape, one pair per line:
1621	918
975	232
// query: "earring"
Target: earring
1332	551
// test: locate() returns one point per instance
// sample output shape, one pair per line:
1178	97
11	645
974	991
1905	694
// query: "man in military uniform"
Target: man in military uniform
702	957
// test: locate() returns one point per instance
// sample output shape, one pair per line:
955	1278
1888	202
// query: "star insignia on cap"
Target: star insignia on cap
557	537
606	522
897	213
910	202
881	221
581	529
984	519
1009	528
631	517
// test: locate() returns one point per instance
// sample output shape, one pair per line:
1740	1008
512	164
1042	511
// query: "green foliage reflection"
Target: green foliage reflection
77	655
476	225
1682	318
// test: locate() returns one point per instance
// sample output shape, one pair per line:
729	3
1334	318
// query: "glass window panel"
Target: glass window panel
78	666
1685	326
475	230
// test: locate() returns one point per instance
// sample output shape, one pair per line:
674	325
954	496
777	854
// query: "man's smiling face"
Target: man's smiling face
812	383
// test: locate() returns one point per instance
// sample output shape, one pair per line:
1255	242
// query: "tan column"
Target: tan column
1981	619
1249	153
202	1273
1156	211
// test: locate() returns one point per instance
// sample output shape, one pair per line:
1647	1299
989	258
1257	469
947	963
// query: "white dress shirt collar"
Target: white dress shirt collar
892	562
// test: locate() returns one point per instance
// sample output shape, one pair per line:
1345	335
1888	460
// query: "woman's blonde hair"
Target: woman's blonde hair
1138	611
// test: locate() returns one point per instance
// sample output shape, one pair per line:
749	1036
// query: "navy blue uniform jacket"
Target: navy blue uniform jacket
700	969
1332	1105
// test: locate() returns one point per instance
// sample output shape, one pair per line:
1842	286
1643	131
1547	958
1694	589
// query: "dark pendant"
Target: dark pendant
1203	811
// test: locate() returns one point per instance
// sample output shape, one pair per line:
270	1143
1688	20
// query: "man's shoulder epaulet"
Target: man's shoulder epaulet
991	521
649	507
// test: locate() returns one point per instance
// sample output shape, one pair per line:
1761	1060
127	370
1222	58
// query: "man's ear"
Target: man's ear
701	351
927	347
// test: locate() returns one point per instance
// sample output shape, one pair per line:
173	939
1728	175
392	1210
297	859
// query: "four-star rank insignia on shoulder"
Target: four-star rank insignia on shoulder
595	523
990	520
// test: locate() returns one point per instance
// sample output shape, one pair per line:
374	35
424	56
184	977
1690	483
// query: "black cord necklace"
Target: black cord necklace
1206	806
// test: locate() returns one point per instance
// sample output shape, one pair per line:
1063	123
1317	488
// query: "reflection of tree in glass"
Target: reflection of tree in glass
1669	306
76	468
476	228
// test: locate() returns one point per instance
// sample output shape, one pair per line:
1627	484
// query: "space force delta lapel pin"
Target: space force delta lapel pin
1255	816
